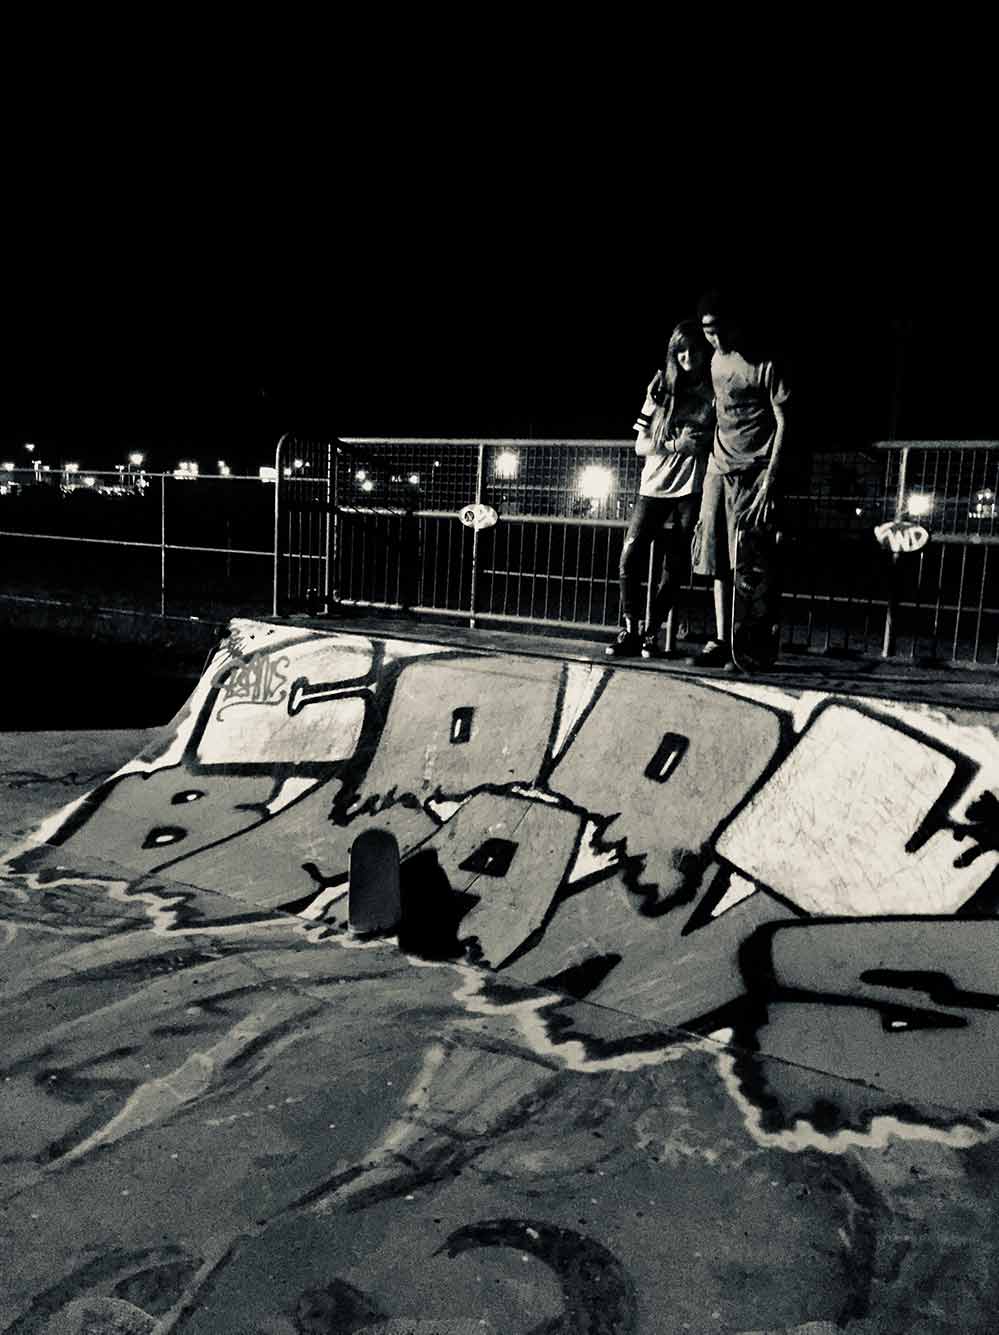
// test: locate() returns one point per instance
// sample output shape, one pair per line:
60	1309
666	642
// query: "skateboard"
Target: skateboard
756	596
373	896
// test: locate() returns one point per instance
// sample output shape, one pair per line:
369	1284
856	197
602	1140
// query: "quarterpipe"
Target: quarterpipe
798	875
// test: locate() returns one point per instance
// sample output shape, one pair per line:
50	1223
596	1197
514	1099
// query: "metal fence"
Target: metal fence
375	522
166	543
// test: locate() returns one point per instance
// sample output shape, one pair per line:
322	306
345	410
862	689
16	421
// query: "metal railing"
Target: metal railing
376	523
379	525
165	543
943	599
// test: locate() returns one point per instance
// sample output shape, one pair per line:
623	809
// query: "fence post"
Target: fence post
888	644
277	518
475	538
330	544
163	544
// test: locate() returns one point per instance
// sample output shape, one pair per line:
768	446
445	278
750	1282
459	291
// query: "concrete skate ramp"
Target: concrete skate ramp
804	875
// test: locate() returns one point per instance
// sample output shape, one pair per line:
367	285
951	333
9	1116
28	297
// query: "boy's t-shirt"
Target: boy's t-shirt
744	394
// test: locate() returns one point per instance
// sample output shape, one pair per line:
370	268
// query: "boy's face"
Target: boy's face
718	331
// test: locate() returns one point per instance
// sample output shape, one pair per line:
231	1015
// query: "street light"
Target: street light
507	464
224	469
596	482
136	459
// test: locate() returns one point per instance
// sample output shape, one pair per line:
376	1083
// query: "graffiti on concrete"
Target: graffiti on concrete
805	875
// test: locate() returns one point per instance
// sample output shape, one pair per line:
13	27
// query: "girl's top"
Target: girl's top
668	473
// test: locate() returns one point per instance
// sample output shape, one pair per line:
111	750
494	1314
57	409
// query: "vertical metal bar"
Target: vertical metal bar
565	567
433	527
163	544
328	529
607	567
918	604
960	603
507	572
981	605
472	594
421	570
277	519
891	608
447	568
935	649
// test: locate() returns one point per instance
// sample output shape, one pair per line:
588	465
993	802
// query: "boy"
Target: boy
752	402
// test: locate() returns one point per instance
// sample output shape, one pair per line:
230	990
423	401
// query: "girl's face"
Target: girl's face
689	357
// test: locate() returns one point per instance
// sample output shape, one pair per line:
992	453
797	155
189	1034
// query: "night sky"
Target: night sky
195	291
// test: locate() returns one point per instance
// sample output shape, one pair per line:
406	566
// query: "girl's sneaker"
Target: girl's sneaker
628	644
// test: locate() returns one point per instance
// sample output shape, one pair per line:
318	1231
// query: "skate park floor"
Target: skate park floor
221	1118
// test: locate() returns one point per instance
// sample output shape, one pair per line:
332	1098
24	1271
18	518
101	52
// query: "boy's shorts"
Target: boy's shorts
725	498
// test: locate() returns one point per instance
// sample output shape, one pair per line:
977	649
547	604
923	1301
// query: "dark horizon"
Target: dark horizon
208	352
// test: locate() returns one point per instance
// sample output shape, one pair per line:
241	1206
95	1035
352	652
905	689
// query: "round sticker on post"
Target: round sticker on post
901	535
478	516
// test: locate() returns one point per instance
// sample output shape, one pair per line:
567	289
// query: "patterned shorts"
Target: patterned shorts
725	498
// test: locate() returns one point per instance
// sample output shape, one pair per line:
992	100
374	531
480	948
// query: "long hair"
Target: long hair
686	334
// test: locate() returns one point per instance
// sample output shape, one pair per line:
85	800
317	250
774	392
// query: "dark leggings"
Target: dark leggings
648	520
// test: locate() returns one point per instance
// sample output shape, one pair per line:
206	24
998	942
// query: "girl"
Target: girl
675	430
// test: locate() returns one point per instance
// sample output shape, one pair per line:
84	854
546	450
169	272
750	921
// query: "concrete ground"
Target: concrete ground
228	1118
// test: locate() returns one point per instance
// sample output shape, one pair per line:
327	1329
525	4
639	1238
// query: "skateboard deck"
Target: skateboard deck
756	597
373	896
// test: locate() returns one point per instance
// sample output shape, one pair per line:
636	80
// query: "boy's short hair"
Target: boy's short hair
716	302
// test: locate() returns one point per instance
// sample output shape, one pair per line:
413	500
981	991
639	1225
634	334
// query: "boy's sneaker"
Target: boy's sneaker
628	644
650	647
714	654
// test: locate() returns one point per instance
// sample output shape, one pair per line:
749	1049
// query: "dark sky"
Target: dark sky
197	290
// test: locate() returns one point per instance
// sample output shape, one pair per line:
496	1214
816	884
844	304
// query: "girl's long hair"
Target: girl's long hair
686	334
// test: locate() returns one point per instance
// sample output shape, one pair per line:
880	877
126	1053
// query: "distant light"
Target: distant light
90	482
30	448
136	458
268	474
8	468
414	479
46	468
72	468
596	482
507	464
368	485
224	469
859	510
437	463
921	502
298	463
287	472
360	475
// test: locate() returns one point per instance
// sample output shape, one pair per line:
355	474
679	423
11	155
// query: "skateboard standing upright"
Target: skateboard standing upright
756	596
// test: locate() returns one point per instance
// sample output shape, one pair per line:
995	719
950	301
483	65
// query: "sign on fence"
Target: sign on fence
901	535
478	516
